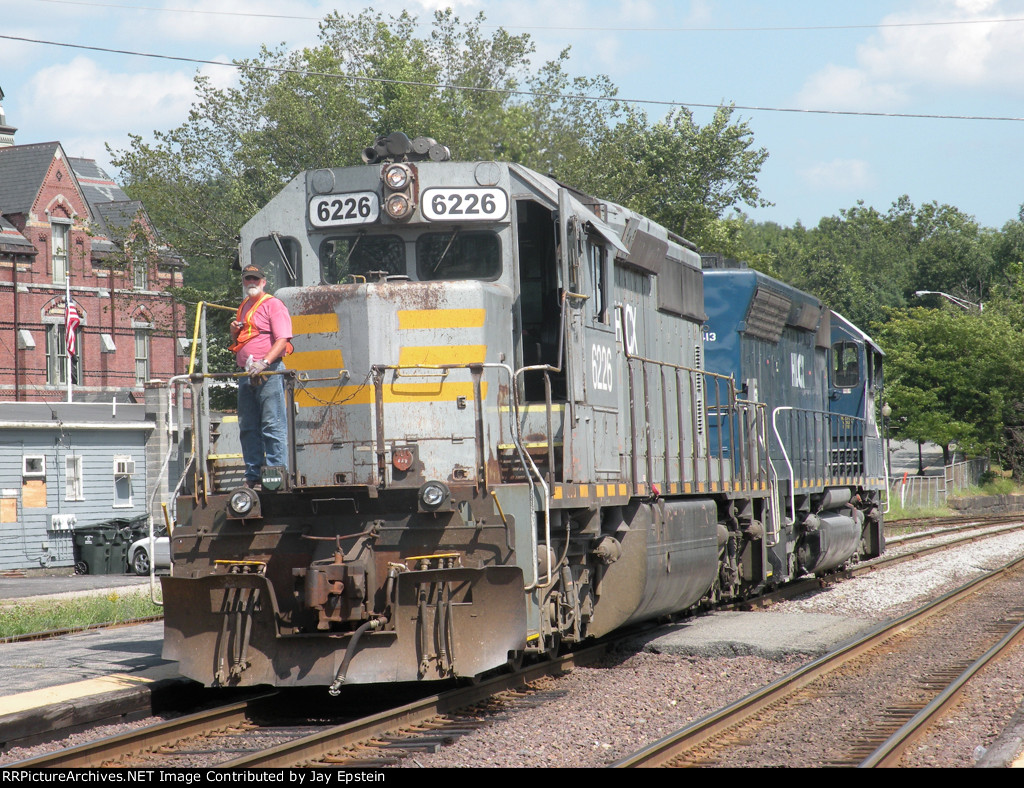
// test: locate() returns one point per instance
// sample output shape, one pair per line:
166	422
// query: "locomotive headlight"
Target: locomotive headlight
433	495
243	502
398	206
399	190
397	176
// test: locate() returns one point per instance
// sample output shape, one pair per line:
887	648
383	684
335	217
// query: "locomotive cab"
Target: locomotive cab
504	436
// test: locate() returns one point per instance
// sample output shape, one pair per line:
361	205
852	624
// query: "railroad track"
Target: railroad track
924	528
897	725
975	531
233	731
425	727
957	519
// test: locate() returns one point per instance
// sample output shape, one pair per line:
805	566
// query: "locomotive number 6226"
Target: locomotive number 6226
335	210
464	204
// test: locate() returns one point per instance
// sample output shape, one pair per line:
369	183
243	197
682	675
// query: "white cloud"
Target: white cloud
838	175
14	53
243	23
898	63
87	100
840	87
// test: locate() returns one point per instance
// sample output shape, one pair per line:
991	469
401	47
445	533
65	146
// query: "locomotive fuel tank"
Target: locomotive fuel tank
828	540
519	417
669	559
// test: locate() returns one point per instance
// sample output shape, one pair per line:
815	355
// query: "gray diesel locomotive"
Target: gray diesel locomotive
516	422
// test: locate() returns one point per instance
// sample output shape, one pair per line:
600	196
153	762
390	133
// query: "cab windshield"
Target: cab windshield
344	256
458	254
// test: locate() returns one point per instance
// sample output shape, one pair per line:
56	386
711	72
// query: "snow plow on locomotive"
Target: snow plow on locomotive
505	436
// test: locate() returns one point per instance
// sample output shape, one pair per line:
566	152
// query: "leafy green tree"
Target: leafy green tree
370	75
953	377
683	175
953	254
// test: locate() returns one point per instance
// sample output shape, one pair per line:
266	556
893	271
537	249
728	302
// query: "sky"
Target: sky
854	102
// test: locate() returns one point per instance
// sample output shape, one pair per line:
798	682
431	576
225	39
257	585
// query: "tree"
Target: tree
953	377
953	254
476	93
683	175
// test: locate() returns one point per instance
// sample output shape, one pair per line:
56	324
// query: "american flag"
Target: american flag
71	322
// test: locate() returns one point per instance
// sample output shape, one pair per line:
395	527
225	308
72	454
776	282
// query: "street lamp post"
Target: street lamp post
960	302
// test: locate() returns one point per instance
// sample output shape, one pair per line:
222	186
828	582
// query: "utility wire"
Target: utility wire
617	29
505	91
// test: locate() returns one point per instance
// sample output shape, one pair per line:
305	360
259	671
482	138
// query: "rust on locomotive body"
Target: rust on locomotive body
503	438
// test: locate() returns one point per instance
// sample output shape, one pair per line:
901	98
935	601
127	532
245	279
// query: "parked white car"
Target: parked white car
139	559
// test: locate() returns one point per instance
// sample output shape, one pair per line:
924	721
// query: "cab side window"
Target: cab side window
845	365
281	260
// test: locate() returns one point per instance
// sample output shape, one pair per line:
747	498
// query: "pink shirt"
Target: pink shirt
272	321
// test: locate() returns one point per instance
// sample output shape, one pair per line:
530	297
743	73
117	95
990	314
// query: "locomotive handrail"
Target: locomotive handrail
531	467
524	457
342	374
747	463
828	453
885	454
785	455
528	464
197	379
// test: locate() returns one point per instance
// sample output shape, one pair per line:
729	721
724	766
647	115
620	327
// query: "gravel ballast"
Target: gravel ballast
596	715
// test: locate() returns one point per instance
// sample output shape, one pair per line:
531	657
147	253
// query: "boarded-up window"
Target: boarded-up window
33	494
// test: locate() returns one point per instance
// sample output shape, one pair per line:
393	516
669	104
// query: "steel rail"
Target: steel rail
891	750
712	726
98	753
802	586
309	749
962	527
111	749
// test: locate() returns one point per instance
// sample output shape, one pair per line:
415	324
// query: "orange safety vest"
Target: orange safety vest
248	329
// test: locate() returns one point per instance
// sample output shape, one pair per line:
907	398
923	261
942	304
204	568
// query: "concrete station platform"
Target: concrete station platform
758	634
77	678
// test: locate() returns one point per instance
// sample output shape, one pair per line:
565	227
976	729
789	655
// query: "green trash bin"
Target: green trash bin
93	548
139	527
102	548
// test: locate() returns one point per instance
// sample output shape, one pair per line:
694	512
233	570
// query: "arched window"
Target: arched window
142	326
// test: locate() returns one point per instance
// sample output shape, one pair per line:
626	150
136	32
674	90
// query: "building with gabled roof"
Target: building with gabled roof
66	228
89	448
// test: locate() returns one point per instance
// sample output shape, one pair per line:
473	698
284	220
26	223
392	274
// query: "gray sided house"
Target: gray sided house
74	465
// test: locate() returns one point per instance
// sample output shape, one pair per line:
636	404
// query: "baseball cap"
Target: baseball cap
253	270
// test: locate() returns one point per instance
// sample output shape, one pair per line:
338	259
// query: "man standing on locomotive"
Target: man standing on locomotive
261	332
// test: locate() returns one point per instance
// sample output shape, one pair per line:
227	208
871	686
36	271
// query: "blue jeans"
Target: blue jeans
263	423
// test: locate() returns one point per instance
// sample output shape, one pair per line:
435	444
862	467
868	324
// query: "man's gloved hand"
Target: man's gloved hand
256	370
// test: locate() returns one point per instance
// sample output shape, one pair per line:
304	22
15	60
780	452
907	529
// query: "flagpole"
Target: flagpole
67	311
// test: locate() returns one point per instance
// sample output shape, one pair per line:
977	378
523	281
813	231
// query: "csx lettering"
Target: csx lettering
601	367
625	327
796	367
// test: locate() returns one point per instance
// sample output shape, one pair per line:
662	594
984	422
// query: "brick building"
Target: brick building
66	227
